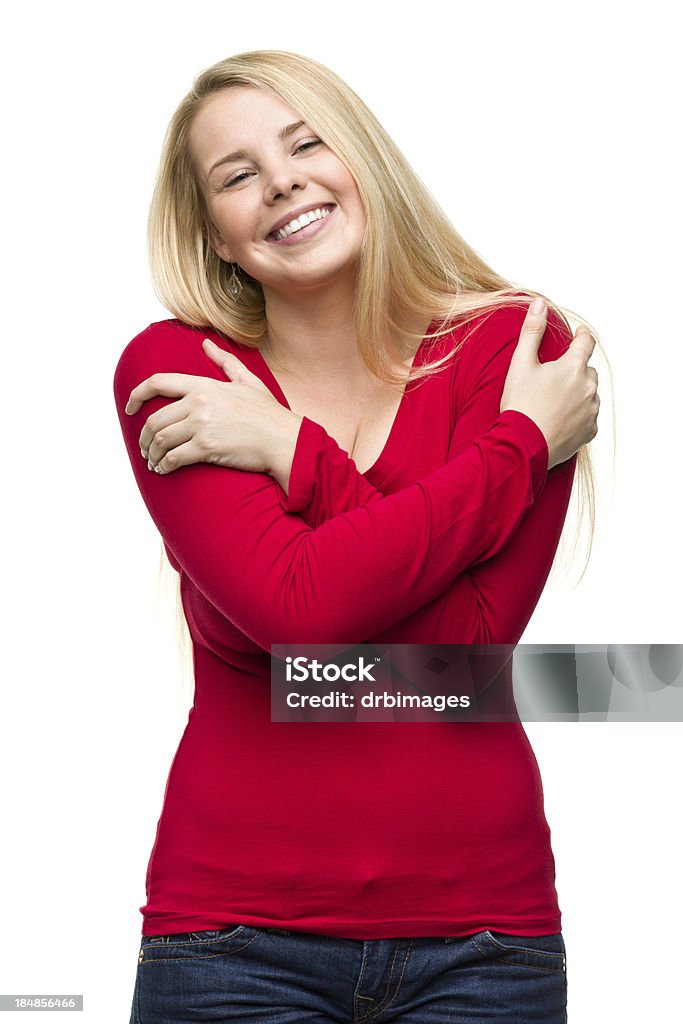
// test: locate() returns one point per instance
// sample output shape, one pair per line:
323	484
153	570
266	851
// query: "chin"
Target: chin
316	277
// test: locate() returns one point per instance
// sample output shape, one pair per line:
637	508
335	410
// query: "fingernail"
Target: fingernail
538	306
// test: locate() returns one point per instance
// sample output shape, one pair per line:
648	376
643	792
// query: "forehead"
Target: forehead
237	117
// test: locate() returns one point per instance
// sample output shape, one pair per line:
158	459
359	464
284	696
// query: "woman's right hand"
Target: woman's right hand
560	396
237	424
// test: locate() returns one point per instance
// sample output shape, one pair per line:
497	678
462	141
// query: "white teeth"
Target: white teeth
303	220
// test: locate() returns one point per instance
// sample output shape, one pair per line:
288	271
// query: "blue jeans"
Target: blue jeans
260	975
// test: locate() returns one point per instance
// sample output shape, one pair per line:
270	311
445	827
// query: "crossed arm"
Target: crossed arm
488	602
461	556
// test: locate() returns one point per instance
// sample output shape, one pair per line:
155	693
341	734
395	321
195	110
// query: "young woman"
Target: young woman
349	434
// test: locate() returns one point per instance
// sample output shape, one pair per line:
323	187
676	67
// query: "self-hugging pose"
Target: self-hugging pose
352	430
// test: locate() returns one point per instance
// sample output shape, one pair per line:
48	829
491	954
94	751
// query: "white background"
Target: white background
548	133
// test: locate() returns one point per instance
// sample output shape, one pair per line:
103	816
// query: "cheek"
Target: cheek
362	220
355	198
235	227
344	182
348	191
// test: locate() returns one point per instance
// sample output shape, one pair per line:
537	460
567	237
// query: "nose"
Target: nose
283	179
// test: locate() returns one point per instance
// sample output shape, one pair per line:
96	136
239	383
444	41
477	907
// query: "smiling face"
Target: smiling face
282	205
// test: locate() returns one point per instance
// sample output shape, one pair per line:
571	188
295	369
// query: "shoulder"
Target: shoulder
169	346
172	340
485	346
493	334
165	339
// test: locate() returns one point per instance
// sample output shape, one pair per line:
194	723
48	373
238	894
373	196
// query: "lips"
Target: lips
294	214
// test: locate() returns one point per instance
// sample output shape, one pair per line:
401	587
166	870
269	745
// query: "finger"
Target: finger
231	366
170	385
164	441
583	343
174	412
186	454
532	331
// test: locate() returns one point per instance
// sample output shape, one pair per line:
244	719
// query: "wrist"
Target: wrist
537	436
281	447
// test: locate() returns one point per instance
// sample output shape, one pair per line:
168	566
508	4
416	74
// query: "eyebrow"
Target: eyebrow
239	154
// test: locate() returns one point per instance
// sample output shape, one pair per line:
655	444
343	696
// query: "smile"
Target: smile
301	227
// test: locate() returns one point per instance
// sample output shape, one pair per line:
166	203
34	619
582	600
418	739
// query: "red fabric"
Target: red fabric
380	829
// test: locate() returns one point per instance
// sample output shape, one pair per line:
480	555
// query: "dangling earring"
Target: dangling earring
235	286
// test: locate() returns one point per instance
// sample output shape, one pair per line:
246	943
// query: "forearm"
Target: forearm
279	580
489	602
280	445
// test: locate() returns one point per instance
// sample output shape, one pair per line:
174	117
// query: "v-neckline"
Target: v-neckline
375	468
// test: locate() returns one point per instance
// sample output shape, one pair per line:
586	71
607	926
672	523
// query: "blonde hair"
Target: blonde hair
414	266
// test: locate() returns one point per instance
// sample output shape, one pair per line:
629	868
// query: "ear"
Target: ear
217	243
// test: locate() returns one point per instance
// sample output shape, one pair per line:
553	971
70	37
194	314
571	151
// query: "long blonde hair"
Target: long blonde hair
414	266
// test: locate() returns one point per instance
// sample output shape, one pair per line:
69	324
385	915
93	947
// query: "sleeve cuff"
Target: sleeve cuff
535	444
302	474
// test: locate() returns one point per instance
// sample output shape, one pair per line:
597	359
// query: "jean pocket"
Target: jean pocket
543	952
190	945
189	938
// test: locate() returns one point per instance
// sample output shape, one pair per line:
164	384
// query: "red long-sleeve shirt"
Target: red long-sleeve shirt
380	829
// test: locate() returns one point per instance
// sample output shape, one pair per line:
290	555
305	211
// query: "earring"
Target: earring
235	286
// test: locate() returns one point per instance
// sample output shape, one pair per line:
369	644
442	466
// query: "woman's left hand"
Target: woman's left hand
238	424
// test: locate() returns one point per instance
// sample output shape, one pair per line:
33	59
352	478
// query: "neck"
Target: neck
312	334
